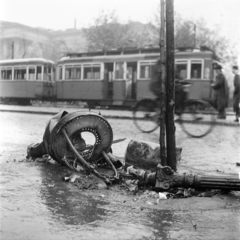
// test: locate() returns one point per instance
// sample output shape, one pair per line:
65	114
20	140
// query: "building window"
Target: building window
20	74
72	72
119	70
6	74
91	71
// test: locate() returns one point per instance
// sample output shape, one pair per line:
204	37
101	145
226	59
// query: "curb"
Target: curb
217	123
53	113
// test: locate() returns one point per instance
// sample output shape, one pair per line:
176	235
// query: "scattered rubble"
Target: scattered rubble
95	166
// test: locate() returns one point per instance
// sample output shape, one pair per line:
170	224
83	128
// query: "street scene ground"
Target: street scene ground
37	204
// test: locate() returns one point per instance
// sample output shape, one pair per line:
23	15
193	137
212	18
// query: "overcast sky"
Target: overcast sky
60	14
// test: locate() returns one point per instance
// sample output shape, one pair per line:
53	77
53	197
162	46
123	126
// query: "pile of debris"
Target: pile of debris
96	167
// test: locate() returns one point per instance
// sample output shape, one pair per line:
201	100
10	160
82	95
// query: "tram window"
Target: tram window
20	73
207	73
39	73
53	74
47	73
181	71
119	70
6	74
196	70
68	74
146	71
73	72
91	72
31	73
60	75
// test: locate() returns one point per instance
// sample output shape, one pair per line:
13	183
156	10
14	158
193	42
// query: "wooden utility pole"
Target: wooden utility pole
170	86
162	79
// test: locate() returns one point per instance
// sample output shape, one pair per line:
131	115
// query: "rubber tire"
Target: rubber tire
80	121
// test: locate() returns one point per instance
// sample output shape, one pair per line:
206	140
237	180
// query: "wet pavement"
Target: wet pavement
37	204
116	114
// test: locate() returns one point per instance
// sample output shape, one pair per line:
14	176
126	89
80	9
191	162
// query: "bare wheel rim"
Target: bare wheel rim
197	119
79	123
146	117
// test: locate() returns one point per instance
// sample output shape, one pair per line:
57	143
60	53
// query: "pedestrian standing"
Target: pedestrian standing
236	92
221	89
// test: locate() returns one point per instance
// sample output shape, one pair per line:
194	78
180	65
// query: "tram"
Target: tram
22	80
121	77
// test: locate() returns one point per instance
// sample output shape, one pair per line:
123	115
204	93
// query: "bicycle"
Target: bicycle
196	117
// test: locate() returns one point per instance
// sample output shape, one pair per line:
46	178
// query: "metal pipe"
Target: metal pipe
111	164
166	178
82	160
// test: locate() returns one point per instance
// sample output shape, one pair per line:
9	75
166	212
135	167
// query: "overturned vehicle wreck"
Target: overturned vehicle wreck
64	140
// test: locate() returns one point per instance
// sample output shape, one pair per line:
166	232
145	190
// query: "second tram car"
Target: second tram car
22	80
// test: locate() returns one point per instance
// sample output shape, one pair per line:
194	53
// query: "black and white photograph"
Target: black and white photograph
119	119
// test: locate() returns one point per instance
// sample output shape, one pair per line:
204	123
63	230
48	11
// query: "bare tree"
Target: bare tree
223	48
189	33
107	32
143	34
54	49
34	50
184	32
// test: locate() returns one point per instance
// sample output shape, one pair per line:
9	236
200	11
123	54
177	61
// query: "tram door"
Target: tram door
131	80
48	87
108	81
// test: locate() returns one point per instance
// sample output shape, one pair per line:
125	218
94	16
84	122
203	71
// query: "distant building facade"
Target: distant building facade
21	41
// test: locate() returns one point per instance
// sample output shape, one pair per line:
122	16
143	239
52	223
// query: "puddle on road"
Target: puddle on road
37	204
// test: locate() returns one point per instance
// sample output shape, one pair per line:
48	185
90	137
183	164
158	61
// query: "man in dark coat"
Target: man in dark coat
221	89
236	92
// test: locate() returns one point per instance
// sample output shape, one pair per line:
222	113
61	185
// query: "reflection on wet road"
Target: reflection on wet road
37	204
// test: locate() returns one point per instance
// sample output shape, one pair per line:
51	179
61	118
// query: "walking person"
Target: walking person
236	92
221	89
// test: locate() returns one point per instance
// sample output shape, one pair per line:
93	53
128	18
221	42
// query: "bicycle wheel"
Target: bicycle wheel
146	115
197	118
